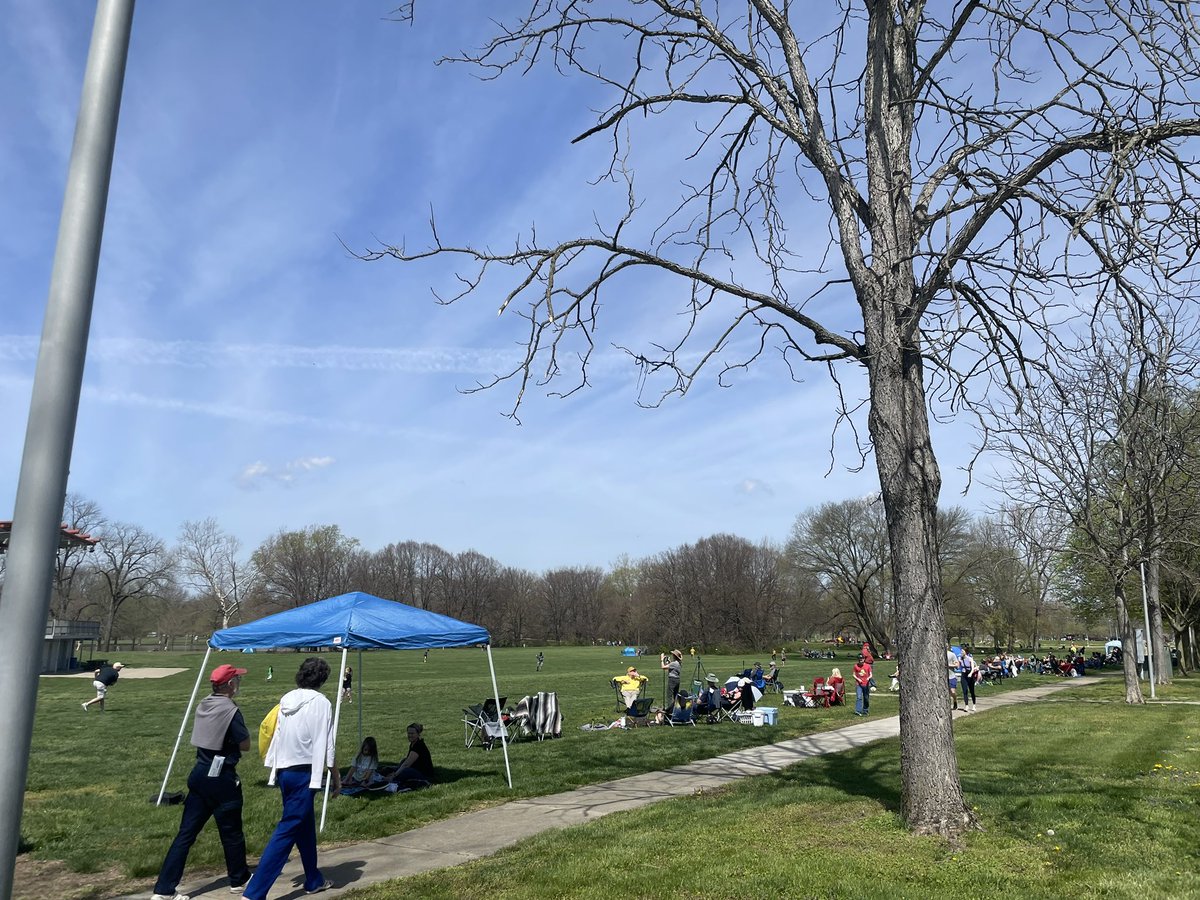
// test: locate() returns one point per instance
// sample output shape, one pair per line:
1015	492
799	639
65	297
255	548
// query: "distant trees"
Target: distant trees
721	590
844	545
297	567
208	560
132	564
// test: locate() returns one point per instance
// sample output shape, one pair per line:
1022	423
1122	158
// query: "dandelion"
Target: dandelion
1058	849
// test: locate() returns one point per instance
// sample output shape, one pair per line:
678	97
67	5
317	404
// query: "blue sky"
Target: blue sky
244	366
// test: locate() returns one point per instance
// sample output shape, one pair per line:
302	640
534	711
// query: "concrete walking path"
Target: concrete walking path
471	836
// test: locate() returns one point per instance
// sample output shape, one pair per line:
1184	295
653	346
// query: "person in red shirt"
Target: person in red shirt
862	685
867	654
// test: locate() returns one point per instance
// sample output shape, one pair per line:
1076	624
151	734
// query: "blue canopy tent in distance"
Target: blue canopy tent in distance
354	621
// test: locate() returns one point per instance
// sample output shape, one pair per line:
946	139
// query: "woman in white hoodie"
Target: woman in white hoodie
300	754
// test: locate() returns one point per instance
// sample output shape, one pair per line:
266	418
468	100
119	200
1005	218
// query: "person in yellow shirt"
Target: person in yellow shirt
630	685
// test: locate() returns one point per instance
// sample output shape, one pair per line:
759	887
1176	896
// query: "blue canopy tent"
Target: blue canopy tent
349	621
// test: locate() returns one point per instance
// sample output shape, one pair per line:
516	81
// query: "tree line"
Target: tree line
831	577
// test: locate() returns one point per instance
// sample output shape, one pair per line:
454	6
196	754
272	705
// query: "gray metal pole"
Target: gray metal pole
57	381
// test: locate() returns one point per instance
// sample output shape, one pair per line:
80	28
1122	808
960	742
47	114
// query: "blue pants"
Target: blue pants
862	698
219	798
297	828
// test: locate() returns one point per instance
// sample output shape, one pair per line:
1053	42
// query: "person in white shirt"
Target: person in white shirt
301	752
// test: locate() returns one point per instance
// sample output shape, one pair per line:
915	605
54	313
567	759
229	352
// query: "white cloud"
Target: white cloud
749	486
257	473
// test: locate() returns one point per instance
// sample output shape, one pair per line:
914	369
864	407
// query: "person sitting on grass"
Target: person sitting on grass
416	769
365	768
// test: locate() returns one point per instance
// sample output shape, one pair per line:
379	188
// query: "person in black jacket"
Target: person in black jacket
220	736
106	677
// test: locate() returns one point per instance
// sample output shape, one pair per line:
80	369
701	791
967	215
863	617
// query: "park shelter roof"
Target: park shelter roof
355	621
67	537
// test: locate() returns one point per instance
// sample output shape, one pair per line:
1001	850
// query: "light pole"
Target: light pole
1149	642
57	382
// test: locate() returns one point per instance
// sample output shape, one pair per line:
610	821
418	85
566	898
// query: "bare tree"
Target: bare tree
975	163
721	590
844	544
299	567
130	563
84	516
209	563
1038	536
572	598
1099	446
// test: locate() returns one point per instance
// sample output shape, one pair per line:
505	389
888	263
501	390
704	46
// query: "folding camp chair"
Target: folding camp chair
485	724
622	706
683	713
639	713
820	694
837	692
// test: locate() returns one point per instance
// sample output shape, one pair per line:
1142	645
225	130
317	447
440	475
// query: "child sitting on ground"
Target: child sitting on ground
365	768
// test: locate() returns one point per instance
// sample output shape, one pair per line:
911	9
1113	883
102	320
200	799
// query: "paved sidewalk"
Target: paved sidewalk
471	836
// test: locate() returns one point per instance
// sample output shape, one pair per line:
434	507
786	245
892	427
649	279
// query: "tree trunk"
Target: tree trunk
931	796
1133	690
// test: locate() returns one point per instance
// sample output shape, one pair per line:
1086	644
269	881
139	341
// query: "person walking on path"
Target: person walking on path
220	736
952	667
347	684
106	677
862	686
671	664
541	658
970	677
301	752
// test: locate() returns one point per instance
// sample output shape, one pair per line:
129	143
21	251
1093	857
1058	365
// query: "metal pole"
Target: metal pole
1149	643
50	432
183	726
337	714
499	717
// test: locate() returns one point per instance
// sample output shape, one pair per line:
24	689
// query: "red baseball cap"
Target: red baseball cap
224	672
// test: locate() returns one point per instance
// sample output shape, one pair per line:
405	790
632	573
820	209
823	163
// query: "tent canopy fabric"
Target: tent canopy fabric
1109	645
355	621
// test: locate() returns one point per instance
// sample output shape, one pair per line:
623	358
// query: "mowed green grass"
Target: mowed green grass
1078	796
91	775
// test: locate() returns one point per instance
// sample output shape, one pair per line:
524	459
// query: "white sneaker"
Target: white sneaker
172	897
974	708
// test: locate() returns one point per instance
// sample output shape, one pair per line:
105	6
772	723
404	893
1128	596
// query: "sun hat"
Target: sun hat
224	673
711	677
118	665
631	669
678	653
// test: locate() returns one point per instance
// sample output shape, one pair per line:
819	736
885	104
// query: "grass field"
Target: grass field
92	774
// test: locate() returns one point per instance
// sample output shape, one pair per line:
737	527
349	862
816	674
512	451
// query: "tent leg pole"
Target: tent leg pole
500	716
337	712
182	725
359	679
